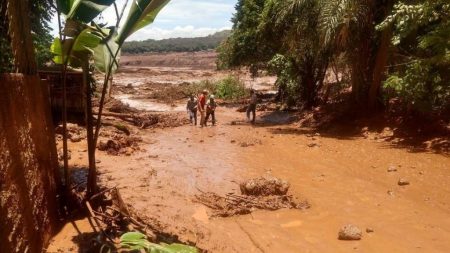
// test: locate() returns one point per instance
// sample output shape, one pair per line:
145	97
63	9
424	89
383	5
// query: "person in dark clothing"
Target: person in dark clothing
210	110
251	108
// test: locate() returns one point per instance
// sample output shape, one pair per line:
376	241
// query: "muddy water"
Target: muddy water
344	179
149	104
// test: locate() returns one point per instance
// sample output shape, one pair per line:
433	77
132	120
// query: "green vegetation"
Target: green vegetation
228	88
138	242
40	15
401	44
176	44
422	32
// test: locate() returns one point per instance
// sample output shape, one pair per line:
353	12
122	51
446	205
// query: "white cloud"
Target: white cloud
179	18
188	31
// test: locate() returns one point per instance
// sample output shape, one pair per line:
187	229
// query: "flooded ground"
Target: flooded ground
347	179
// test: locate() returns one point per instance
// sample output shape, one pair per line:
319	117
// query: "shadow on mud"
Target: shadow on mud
413	136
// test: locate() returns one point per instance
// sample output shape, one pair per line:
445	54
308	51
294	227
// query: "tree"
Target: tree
421	71
242	48
40	13
349	25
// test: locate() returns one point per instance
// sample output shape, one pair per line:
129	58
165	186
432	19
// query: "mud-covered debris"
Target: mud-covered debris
392	168
403	182
264	186
118	106
161	120
75	133
313	144
61	154
76	138
111	146
349	232
233	204
259	193
120	145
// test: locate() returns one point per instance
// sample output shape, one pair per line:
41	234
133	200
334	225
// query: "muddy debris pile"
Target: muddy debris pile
120	145
159	120
145	120
264	186
259	193
117	106
75	133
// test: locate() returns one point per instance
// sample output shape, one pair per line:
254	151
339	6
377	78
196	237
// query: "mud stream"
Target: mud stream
344	178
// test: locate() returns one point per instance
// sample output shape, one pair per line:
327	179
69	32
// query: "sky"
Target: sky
181	18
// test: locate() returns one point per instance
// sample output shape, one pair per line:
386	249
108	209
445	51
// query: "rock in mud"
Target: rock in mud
369	230
392	169
76	138
245	144
403	182
108	145
129	151
264	187
350	232
312	145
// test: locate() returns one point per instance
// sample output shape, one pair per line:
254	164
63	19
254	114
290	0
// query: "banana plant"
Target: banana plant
103	44
83	40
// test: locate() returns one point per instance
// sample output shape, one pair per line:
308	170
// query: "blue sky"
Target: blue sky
183	18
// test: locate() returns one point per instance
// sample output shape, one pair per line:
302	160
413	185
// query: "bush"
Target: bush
228	88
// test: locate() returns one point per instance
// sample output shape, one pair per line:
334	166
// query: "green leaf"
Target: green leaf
142	13
76	49
64	6
87	40
138	241
56	49
104	55
83	10
178	248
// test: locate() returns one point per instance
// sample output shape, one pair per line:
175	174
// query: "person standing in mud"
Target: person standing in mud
251	108
210	110
191	108
202	108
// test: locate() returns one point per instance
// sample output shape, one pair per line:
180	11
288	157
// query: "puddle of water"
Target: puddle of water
148	104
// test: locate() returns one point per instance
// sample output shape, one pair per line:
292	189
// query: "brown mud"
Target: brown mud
344	172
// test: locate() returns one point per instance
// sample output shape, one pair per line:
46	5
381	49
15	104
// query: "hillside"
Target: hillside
176	44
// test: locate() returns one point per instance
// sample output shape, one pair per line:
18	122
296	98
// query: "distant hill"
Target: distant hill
176	44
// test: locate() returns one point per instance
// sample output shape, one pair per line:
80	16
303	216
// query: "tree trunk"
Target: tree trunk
379	68
21	40
360	69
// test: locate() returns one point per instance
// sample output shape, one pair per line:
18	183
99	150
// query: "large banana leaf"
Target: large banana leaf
83	10
107	53
78	48
142	13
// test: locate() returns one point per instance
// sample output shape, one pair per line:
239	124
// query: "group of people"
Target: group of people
207	108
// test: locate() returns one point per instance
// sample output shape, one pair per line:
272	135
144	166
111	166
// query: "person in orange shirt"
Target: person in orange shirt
202	107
